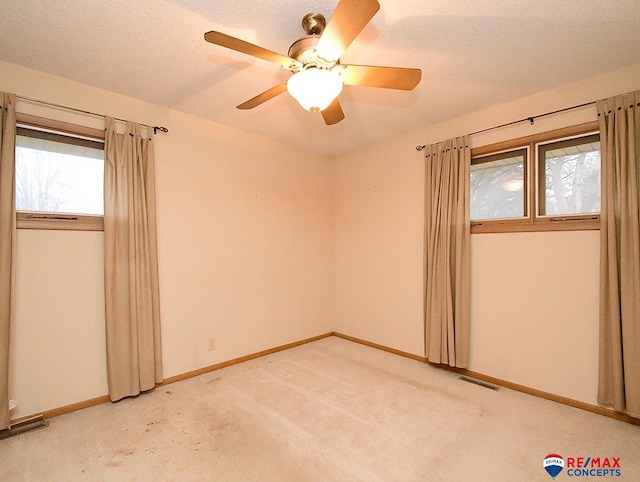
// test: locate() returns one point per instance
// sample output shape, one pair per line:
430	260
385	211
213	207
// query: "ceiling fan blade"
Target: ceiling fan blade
347	21
384	77
333	114
265	96
238	45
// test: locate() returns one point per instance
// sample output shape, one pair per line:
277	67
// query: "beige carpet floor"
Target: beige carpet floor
331	410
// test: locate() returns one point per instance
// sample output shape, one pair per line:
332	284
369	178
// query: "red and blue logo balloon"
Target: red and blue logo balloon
553	464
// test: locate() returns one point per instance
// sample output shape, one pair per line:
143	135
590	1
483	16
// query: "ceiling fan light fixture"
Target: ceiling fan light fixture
315	88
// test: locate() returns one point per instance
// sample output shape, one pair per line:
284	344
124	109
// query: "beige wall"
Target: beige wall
262	243
244	252
58	341
377	246
534	301
535	310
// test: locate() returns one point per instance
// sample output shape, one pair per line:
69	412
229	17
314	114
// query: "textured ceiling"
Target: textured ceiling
473	54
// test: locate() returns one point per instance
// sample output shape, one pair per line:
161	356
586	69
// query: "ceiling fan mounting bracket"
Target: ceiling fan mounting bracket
314	23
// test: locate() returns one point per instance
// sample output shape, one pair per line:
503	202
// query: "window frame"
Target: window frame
533	221
52	220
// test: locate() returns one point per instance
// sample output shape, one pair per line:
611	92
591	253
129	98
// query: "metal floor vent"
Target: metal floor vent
478	382
20	429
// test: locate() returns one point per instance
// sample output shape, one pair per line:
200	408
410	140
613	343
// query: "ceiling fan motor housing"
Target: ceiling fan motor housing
304	49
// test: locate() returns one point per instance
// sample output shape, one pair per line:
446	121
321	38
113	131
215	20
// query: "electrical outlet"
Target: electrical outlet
211	345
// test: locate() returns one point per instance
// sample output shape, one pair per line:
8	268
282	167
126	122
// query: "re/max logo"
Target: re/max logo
594	462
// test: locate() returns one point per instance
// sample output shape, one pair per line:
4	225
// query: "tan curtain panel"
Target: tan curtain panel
134	355
619	374
7	243
447	252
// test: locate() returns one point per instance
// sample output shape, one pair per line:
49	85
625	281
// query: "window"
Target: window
545	182
59	180
571	176
498	186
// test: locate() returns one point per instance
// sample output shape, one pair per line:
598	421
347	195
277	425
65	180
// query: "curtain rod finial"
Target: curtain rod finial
160	128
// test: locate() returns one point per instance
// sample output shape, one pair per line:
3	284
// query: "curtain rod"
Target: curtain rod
530	119
81	111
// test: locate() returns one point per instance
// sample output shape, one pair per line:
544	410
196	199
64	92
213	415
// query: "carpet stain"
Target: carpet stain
327	411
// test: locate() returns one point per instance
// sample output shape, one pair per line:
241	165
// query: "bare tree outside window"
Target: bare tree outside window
572	180
40	182
55	173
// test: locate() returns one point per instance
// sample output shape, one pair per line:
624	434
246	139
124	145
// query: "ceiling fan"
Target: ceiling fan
314	61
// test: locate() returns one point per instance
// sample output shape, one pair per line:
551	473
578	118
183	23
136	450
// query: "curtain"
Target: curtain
134	356
619	372
7	243
447	252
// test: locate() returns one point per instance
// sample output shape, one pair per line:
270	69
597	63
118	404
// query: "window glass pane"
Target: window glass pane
498	186
56	173
572	177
